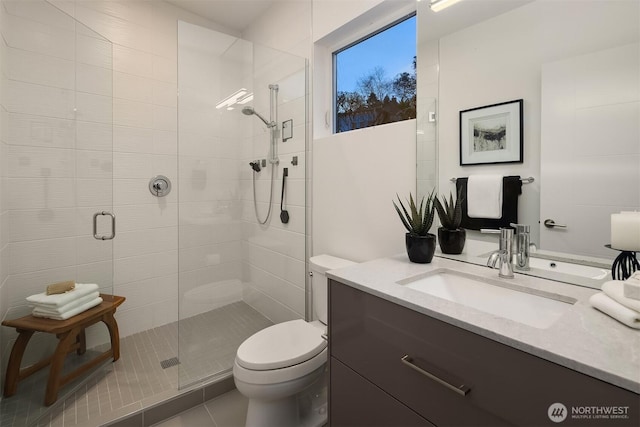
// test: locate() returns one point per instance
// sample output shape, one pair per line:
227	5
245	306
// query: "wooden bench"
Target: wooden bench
71	336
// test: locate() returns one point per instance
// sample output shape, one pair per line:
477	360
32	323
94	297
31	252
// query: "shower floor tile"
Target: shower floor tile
208	343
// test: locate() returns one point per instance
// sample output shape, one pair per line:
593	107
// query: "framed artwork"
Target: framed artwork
492	134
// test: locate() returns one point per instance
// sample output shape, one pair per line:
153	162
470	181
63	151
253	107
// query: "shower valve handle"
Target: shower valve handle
255	165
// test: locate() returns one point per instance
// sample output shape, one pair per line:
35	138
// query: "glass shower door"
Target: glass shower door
237	274
57	138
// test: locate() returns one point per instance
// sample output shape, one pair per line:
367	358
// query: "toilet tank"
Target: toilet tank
319	265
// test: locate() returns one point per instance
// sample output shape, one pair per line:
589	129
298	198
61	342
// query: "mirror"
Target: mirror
576	66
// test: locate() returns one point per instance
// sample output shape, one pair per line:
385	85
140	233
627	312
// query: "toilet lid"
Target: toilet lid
281	345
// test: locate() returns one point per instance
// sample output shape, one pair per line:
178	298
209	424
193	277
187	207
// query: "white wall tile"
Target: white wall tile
141	242
132	87
27	98
94	108
40	69
31	162
139	217
143	267
36	37
132	61
92	79
32	130
132	114
94	136
36	255
40	193
32	224
132	140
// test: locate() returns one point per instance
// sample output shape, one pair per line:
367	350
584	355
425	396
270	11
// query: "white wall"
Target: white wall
500	60
356	177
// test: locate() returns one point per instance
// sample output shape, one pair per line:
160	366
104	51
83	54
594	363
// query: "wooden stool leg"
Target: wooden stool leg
112	325
57	363
82	343
15	360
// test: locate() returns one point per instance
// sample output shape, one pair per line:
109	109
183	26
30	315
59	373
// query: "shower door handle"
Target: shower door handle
95	225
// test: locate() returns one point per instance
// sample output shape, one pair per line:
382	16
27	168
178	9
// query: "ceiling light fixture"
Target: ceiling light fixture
438	5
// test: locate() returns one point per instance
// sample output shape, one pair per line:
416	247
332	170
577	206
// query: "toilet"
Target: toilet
281	369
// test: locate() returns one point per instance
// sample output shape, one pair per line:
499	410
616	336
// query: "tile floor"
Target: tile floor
228	410
137	381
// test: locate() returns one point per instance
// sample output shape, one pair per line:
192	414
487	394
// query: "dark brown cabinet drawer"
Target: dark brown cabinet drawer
355	402
506	386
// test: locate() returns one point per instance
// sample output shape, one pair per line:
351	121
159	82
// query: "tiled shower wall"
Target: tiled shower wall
56	133
145	269
274	267
225	255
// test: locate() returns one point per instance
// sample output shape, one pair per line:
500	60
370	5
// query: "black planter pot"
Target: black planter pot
420	248
451	241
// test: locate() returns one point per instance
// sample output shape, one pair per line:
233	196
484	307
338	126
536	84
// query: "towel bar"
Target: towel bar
528	180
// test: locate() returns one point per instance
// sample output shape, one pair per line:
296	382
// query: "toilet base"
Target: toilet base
307	408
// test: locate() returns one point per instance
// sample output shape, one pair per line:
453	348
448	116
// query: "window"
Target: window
375	78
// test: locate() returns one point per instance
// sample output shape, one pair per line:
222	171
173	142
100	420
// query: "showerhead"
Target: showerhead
249	111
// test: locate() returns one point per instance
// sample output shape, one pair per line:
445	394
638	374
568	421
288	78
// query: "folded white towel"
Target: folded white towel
632	286
58	300
618	311
84	307
484	196
614	289
48	309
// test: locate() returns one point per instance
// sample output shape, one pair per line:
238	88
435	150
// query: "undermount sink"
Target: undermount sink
531	307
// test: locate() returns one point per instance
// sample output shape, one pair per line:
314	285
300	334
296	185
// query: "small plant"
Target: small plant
450	213
417	220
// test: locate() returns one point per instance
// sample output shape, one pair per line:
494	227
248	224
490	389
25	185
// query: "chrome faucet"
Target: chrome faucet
523	246
504	254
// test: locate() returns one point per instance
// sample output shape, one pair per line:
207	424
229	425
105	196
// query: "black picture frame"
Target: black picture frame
492	134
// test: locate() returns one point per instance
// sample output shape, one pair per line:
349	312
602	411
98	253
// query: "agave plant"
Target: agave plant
417	219
450	213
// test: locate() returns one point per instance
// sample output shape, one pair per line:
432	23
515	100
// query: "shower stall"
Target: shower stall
236	256
222	270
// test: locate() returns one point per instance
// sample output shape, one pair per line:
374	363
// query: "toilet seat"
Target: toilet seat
281	346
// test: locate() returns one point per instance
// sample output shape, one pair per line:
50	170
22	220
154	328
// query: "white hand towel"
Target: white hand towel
614	289
484	196
58	300
72	312
48	309
632	286
618	311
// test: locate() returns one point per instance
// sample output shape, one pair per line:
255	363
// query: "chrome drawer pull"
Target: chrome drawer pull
461	389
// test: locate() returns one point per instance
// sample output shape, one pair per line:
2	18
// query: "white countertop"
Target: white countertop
583	339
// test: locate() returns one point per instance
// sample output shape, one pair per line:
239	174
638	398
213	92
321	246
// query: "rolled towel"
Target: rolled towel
60	287
632	286
484	196
615	290
619	312
72	312
47	309
58	300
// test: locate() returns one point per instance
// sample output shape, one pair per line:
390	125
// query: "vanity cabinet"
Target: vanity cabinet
390	359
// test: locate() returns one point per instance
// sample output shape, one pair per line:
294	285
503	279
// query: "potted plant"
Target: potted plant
450	236
421	245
